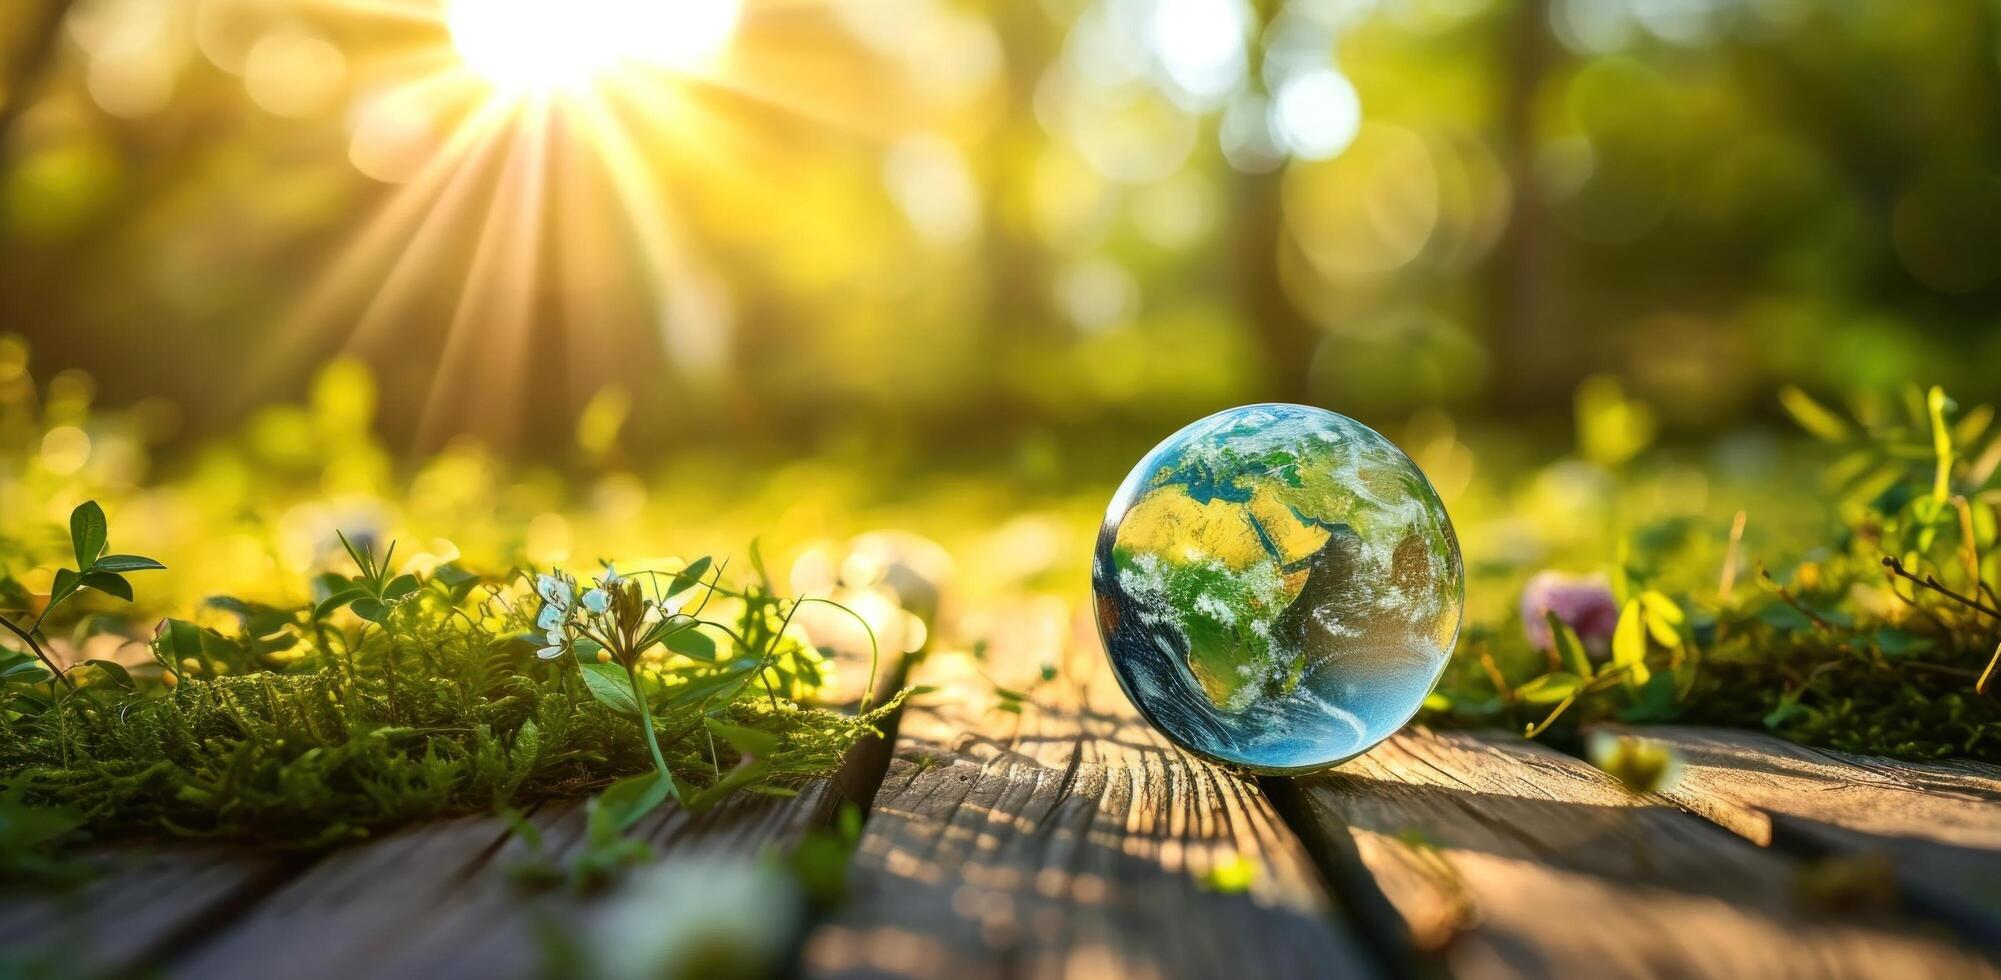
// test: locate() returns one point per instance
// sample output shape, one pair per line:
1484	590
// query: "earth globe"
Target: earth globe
1278	588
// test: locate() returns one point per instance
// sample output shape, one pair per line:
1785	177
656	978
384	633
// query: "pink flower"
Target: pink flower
1583	602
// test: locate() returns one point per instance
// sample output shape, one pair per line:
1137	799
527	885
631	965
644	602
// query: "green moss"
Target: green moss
441	708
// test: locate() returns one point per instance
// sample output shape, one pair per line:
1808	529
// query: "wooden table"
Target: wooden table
1068	838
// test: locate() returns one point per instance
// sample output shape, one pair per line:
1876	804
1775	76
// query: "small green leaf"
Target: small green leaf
115	671
21	667
1663	618
108	583
178	638
633	797
334	602
1550	688
457	581
363	560
666	628
372	609
610	685
1629	643
693	644
1568	646
67	581
400	586
749	741
745	774
126	563
87	532
706	686
1812	416
688	576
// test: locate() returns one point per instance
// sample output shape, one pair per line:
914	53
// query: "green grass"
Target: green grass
1881	638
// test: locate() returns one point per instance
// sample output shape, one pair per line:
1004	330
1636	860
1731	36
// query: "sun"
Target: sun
536	46
541	227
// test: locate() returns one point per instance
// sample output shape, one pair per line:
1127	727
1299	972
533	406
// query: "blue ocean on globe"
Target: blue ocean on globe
1278	587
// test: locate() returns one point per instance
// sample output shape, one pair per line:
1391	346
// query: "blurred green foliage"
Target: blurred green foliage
951	223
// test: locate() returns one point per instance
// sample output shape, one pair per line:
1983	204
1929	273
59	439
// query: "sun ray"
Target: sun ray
621	98
438	209
426	202
487	342
651	221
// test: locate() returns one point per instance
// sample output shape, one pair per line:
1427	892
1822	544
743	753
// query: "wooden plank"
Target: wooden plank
141	903
1068	838
1499	857
1936	825
438	900
488	927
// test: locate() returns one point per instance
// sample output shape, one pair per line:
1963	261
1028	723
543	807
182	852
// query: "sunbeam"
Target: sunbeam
472	124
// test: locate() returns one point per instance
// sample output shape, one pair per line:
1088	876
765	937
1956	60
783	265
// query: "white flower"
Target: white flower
597	601
671	607
554	590
554	616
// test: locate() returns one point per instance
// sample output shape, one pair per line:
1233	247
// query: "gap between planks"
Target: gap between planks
1932	827
1497	857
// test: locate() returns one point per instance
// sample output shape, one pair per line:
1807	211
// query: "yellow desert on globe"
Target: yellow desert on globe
1278	587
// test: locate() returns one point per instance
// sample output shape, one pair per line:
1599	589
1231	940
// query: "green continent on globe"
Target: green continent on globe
1266	549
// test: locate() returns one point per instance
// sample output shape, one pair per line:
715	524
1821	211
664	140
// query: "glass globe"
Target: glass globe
1278	587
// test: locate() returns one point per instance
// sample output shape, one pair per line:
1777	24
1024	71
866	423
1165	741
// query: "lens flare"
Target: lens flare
536	46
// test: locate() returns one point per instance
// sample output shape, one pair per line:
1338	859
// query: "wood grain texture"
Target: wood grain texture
1937	825
1067	839
1503	858
142	903
439	900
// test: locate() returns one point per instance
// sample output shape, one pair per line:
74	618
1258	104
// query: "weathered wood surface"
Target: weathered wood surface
441	900
144	902
1502	858
437	900
1068	838
1936	825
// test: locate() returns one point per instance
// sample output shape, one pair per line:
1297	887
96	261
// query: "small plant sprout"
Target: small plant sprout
610	627
374	592
94	569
